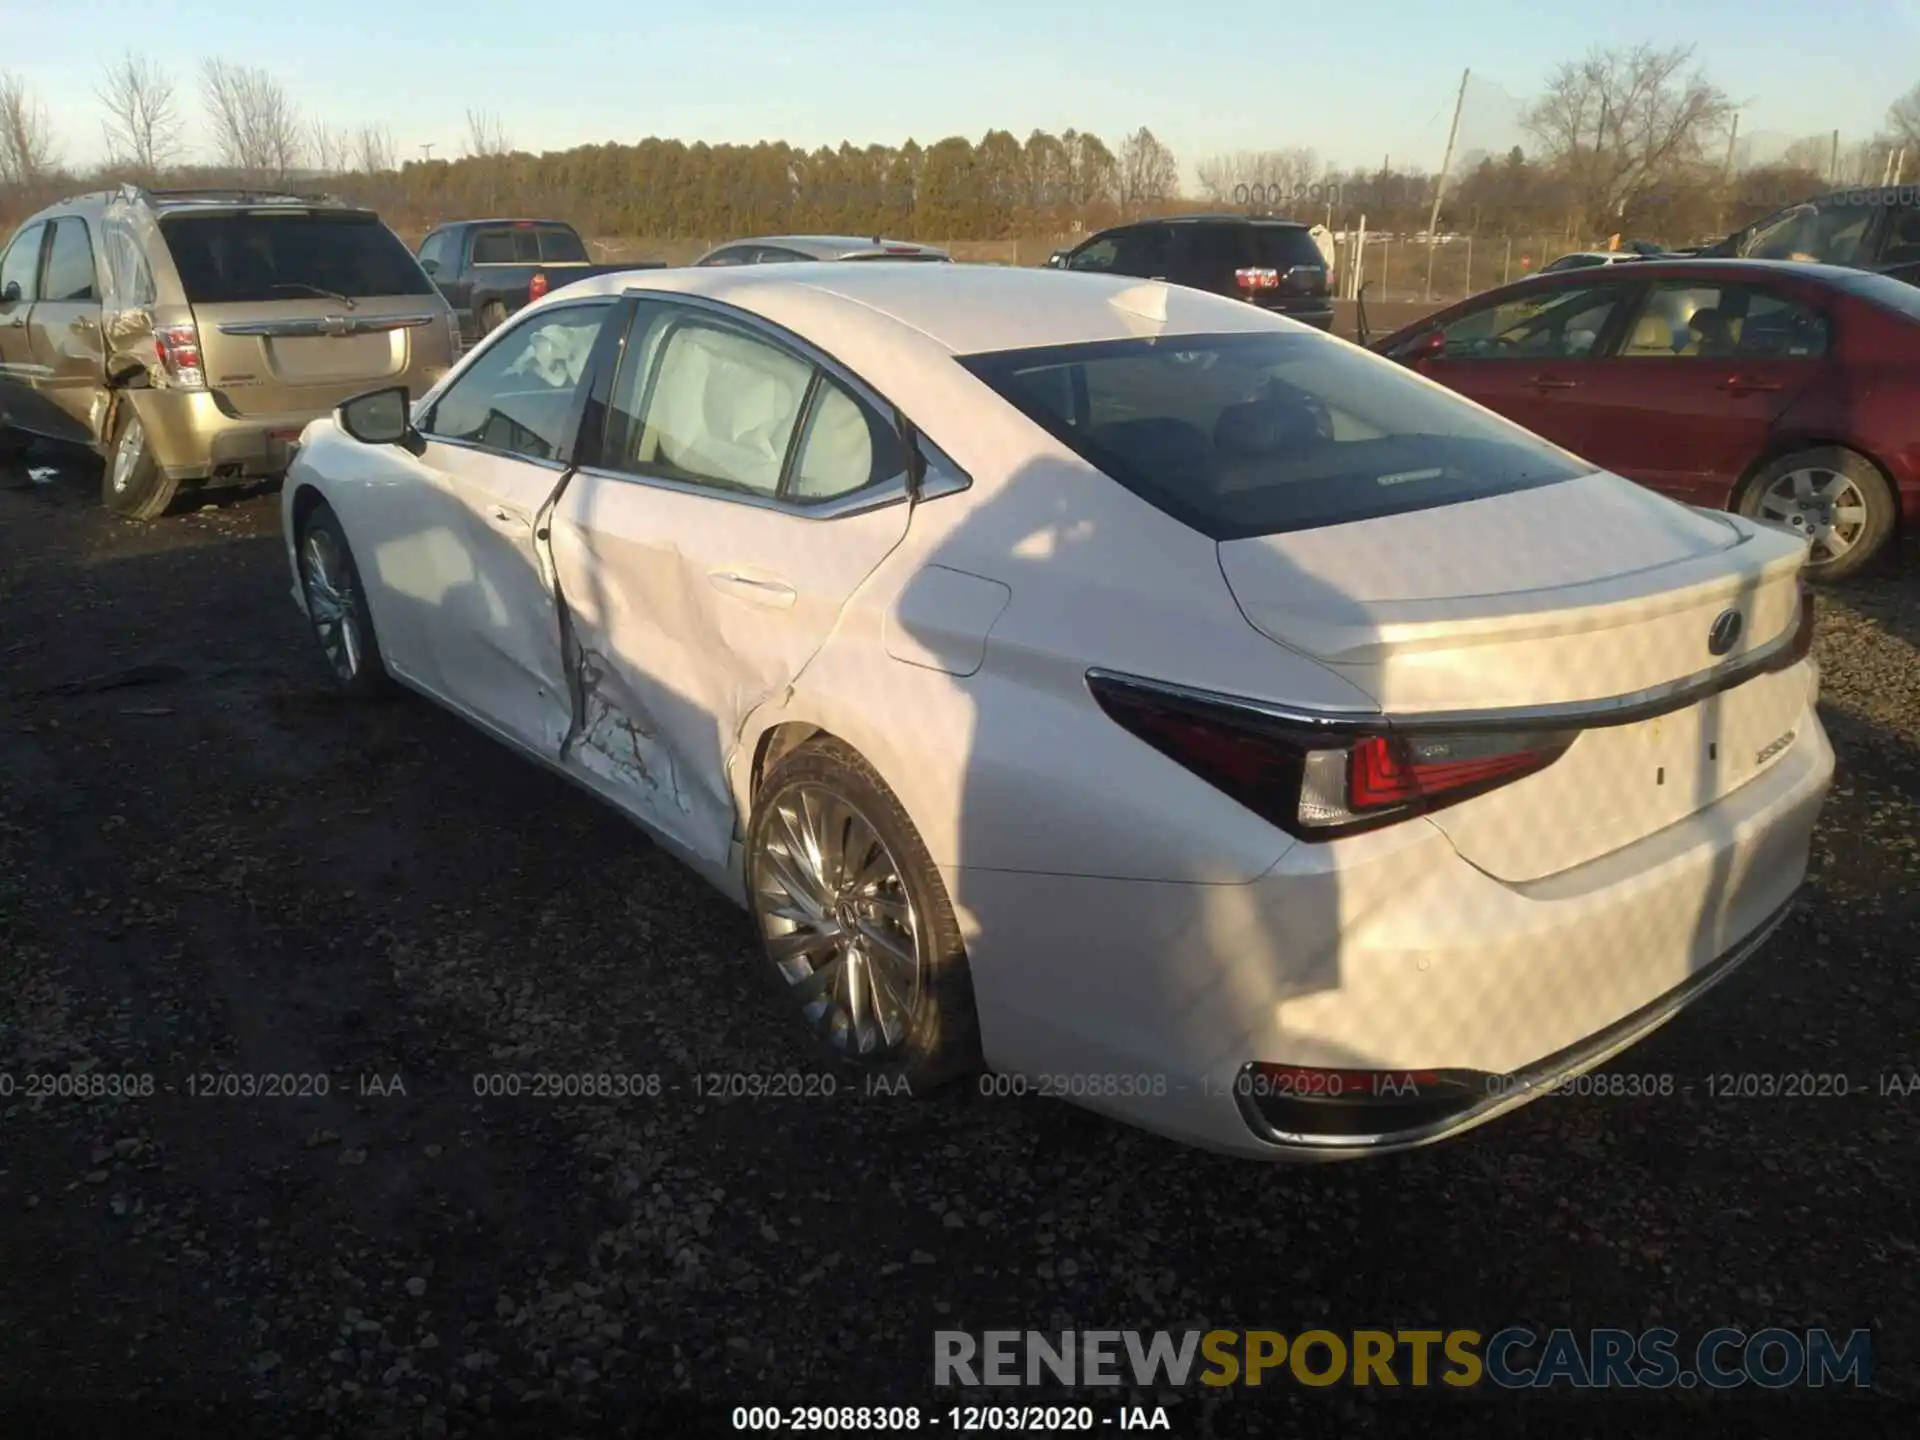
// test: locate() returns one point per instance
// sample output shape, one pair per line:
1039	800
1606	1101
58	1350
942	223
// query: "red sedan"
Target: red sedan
1790	393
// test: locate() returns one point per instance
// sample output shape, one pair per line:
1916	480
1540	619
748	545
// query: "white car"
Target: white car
1160	703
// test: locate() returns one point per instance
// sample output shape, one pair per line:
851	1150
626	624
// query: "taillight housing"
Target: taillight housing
178	350
537	286
1320	782
1802	644
1257	278
457	347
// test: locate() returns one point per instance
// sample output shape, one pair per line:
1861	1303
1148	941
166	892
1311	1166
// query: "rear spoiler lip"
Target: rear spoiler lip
1599	714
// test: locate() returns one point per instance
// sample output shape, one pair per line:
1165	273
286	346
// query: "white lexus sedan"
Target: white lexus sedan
1109	685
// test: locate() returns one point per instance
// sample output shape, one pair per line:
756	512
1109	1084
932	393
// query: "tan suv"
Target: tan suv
188	336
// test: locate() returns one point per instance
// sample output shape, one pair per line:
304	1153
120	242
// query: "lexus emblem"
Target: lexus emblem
1725	633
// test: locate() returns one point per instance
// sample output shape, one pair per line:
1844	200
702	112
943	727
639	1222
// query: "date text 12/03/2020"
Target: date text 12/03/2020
955	1419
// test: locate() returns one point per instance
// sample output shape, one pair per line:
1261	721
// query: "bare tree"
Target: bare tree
27	149
1903	118
330	147
373	150
1260	177
485	135
1618	122
143	116
254	123
1148	173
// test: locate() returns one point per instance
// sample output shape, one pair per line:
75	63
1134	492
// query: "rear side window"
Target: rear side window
560	246
131	279
70	263
252	258
1254	434
433	250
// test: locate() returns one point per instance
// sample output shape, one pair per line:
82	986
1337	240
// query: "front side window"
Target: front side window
1253	434
1902	245
1096	255
70	263
20	266
1556	324
433	251
1145	250
519	395
708	403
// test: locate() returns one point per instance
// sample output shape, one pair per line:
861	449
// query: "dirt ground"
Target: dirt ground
213	873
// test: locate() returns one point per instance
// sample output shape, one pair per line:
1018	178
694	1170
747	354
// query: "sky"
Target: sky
1356	82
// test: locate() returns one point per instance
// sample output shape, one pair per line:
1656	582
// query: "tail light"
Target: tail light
1257	279
1315	783
456	346
1802	645
178	349
537	286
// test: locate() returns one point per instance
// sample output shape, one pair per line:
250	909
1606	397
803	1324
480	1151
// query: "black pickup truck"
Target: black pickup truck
488	269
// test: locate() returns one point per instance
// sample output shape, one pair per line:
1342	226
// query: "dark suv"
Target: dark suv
1274	264
1870	227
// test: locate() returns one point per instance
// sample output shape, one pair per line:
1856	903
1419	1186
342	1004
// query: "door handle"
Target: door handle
775	593
1740	385
505	518
17	323
1551	382
86	323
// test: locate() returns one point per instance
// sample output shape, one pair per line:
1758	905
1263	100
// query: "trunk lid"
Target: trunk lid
1569	594
306	354
298	307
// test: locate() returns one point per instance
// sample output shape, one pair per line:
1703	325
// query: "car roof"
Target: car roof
827	245
506	220
962	309
1211	218
1681	267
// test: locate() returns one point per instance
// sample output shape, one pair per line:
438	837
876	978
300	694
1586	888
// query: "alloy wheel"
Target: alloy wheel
126	455
332	602
838	921
1822	506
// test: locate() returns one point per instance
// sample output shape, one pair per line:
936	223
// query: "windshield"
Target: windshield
248	257
1253	434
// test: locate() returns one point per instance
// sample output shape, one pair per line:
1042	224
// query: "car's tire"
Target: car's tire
337	605
1835	497
818	806
133	485
488	319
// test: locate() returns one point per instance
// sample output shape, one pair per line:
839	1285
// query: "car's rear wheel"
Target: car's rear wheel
337	605
492	315
856	920
1835	499
133	484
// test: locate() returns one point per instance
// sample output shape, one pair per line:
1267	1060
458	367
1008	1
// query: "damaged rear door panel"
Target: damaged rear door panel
742	496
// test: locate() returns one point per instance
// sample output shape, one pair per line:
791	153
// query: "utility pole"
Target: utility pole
426	151
1440	185
1726	173
1833	161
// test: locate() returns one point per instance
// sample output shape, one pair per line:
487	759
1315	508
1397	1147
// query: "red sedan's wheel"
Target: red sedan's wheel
1835	499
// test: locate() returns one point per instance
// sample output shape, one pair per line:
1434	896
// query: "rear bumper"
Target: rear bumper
1387	953
195	438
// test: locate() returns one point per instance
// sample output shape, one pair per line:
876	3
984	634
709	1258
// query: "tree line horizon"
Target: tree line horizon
1623	140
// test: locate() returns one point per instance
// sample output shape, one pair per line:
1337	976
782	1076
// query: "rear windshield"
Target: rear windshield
1281	247
1254	434
528	245
243	258
1883	290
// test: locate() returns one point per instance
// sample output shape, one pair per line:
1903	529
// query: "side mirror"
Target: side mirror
1058	260
430	267
380	417
1428	345
12	294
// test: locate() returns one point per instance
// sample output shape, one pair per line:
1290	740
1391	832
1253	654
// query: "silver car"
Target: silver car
781	249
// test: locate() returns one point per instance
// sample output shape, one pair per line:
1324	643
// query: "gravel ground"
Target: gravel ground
212	866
